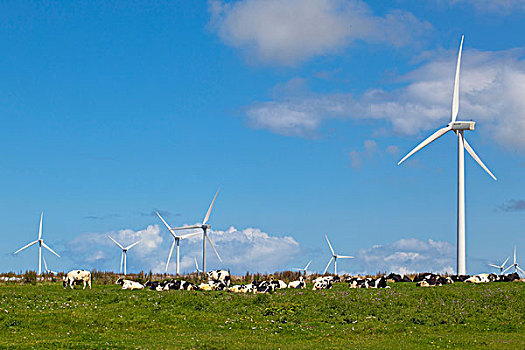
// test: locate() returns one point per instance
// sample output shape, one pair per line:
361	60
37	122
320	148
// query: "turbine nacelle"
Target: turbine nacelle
462	125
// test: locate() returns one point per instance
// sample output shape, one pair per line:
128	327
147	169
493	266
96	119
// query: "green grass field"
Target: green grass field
452	316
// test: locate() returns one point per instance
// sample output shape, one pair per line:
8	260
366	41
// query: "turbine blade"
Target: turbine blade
132	245
190	235
169	256
345	256
196	265
26	246
306	267
215	250
45	264
331	249
430	139
117	243
186	227
505	262
514	255
455	95
477	159
40	227
327	266
48	248
495	266
170	230
520	269
121	261
209	209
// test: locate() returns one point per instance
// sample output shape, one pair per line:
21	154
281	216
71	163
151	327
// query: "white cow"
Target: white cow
220	276
300	284
77	276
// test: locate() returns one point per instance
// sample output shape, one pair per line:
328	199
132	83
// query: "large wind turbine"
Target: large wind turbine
205	227
334	257
303	269
41	243
176	240
124	255
458	127
501	267
515	264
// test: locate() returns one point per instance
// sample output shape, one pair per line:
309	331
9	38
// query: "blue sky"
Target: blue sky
298	110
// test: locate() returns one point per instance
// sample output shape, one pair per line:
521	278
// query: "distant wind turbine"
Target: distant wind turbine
334	257
124	255
515	264
176	240
45	267
205	227
41	243
458	127
303	269
197	265
500	267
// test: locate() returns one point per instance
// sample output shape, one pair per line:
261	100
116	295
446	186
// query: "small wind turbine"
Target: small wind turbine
515	265
197	265
45	267
500	267
176	240
458	127
41	243
303	269
124	255
205	227
334	257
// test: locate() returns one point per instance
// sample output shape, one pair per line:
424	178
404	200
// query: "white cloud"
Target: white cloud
498	6
290	31
371	149
244	250
491	92
408	255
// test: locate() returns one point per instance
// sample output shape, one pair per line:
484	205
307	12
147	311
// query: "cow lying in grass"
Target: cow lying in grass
299	284
75	276
357	282
322	284
128	284
222	276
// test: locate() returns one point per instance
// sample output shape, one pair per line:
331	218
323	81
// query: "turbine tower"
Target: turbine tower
41	244
124	255
500	267
303	269
458	127
334	257
176	240
205	227
515	265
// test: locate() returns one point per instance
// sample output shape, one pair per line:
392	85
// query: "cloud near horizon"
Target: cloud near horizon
287	32
491	92
407	255
249	249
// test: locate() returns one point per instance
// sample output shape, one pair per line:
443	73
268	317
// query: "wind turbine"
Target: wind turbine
123	256
41	243
45	267
303	269
458	127
197	265
515	264
500	267
176	240
205	227
334	257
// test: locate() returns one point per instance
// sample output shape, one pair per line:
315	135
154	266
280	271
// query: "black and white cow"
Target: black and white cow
278	284
398	278
128	284
220	276
74	276
299	284
322	284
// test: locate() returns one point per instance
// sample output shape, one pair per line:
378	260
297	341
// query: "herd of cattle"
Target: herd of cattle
221	280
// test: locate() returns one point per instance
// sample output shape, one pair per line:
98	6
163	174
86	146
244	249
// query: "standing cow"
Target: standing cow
77	276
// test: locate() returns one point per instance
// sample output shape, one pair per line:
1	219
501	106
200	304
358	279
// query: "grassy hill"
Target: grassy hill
405	316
